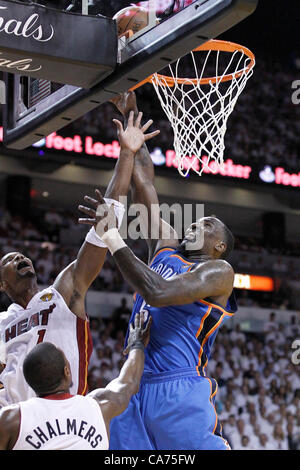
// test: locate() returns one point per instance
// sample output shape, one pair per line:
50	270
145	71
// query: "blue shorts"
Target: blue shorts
171	411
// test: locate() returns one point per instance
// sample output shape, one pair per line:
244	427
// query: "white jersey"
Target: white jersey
62	422
46	318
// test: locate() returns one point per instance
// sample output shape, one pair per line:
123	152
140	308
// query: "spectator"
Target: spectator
279	267
244	444
106	275
293	329
237	335
97	358
106	340
229	426
96	326
42	276
264	443
241	430
121	315
117	354
271	325
45	261
244	264
280	440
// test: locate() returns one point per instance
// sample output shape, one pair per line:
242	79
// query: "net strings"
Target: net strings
199	113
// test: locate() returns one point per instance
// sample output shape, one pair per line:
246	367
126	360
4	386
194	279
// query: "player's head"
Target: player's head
47	370
208	236
15	270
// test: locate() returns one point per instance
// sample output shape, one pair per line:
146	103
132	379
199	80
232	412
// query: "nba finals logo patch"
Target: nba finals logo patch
47	297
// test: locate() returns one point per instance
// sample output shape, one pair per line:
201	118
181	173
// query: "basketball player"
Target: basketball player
57	420
188	290
57	314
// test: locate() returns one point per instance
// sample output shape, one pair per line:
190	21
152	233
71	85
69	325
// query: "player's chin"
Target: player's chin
188	246
27	274
182	247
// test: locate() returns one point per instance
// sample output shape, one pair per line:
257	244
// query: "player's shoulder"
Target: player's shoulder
3	315
218	265
104	396
6	316
98	394
9	413
217	272
47	294
224	265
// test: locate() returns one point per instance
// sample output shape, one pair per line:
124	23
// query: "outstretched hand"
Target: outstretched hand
100	215
133	137
138	332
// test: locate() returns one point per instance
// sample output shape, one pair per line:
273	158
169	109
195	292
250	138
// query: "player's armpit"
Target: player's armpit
74	281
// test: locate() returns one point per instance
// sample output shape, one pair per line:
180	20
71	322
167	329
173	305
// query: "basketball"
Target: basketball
131	18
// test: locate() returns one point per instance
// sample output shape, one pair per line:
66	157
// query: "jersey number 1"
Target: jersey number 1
41	334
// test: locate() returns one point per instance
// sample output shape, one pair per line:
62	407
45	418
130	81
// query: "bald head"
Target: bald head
44	368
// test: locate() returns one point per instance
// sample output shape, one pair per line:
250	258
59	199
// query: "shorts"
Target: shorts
171	411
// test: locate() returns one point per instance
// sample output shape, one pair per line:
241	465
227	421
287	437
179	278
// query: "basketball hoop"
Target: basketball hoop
198	108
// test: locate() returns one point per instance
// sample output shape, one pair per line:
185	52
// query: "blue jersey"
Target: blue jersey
174	408
182	336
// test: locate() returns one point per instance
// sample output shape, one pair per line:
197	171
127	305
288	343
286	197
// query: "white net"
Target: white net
198	107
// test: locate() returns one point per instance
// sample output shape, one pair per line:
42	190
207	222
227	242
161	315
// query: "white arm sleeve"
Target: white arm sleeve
92	237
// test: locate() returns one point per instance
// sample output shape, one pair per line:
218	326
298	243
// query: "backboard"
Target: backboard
182	25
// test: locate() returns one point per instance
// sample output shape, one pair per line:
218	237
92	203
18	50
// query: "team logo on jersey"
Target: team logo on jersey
36	319
47	297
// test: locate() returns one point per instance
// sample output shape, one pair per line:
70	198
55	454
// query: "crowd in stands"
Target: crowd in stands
265	124
259	386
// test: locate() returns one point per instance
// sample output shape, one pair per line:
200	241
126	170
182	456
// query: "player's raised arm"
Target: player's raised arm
115	398
157	232
74	281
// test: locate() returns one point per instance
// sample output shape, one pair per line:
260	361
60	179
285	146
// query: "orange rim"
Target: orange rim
212	45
